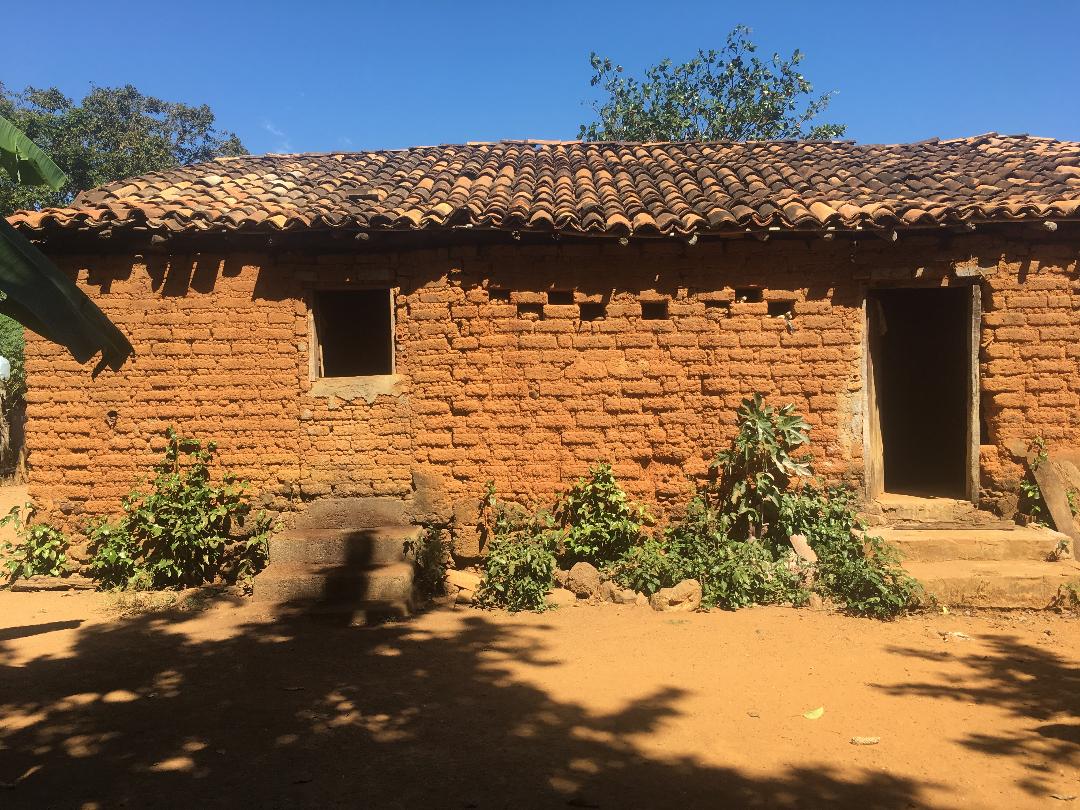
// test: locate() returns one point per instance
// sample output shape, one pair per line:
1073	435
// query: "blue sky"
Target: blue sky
320	76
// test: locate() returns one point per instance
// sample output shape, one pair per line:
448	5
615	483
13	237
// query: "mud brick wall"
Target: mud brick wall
1030	362
526	396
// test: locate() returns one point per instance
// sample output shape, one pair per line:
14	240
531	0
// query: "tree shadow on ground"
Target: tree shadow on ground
296	713
1039	690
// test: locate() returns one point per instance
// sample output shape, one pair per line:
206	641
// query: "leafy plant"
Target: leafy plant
857	570
1060	552
430	553
114	555
1066	598
1073	499
519	568
601	523
39	550
734	537
755	471
179	531
1031	499
646	567
733	573
725	95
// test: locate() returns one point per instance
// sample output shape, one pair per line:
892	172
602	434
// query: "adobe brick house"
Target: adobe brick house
409	324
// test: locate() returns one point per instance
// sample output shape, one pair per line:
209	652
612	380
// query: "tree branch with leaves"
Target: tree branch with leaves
720	95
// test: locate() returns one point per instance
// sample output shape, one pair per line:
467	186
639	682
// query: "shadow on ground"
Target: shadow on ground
1039	690
305	714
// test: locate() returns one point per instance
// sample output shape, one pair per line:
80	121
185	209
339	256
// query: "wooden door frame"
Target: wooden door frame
873	451
974	423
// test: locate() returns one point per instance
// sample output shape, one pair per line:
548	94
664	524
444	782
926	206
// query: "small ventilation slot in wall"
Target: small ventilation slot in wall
561	297
591	311
527	310
654	310
749	295
781	309
718	306
499	295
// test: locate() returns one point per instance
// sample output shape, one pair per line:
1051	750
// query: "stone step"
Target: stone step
1032	543
351	547
282	582
993	584
908	511
345	513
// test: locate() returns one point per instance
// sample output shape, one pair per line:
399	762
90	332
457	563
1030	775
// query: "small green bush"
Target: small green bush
1031	503
857	570
732	573
39	549
646	567
753	473
114	555
601	523
519	567
179	532
734	536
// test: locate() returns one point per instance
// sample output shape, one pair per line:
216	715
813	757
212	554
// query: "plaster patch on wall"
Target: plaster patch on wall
350	388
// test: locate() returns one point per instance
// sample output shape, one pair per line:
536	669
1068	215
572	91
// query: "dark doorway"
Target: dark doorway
920	345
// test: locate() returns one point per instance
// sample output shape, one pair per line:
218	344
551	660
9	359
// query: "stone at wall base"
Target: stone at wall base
683	597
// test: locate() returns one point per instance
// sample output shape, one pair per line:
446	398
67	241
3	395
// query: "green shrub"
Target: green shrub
430	553
39	549
114	555
734	536
179	531
733	573
866	578
859	571
645	567
755	471
519	567
601	523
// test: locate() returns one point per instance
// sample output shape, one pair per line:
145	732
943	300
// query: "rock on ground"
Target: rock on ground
584	580
462	585
611	592
685	596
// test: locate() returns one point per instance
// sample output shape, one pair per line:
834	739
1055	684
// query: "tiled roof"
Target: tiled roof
599	188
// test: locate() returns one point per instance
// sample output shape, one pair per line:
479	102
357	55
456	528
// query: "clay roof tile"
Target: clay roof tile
610	188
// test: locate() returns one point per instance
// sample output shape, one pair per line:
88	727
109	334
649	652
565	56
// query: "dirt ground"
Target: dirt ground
222	705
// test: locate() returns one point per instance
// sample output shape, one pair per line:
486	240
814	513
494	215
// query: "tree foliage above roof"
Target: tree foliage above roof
114	132
725	95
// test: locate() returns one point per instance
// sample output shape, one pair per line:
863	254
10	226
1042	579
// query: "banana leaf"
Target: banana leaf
42	298
24	160
37	294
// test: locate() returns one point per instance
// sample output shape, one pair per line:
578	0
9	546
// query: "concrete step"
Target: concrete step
351	547
1033	543
994	584
283	582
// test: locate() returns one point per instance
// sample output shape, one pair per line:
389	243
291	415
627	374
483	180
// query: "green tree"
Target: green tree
725	95
113	133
